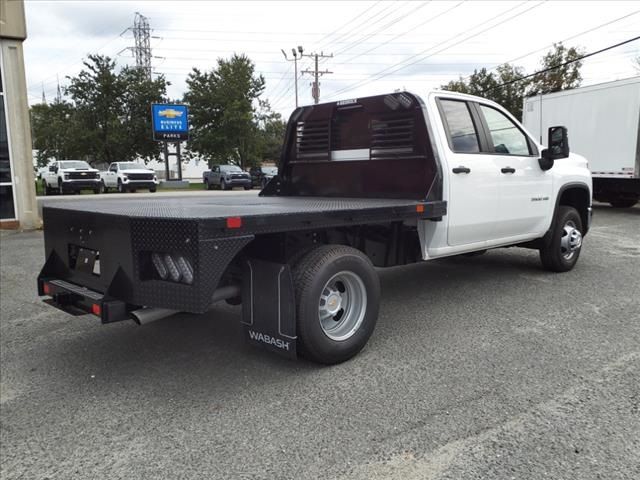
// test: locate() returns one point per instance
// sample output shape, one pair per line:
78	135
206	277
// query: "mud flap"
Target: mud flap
268	307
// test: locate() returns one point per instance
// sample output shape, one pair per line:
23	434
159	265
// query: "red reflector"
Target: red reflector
234	222
96	310
420	208
46	288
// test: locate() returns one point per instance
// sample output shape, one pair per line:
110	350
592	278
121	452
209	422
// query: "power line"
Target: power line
408	31
582	57
390	70
593	29
390	23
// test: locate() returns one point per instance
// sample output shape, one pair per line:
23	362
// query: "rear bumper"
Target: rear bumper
78	300
112	257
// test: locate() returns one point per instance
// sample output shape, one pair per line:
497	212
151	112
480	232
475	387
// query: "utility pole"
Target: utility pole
315	86
142	38
295	64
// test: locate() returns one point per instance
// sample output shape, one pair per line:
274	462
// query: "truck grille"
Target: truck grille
238	176
140	176
81	175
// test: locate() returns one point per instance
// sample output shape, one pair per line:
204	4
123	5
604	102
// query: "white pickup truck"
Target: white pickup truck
70	176
369	182
128	177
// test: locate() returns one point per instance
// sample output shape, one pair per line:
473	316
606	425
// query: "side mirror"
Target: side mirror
558	141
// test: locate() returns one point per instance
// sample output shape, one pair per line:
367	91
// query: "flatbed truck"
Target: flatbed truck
362	184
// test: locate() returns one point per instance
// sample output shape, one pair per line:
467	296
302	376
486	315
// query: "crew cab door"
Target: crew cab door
474	179
112	175
525	202
215	175
51	176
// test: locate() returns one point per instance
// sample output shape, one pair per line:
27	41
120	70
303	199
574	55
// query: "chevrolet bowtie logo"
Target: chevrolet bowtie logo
170	113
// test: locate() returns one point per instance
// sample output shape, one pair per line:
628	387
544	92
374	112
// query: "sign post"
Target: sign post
170	124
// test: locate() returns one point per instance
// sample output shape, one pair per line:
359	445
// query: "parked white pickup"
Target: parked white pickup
70	176
128	176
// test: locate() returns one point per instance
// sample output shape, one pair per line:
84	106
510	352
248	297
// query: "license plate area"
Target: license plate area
84	260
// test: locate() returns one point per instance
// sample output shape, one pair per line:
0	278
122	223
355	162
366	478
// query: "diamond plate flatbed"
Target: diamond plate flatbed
258	214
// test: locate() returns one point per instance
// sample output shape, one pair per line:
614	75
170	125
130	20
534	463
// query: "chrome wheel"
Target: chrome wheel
342	305
570	241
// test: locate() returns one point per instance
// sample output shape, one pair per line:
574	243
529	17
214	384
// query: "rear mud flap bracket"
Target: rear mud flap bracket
268	307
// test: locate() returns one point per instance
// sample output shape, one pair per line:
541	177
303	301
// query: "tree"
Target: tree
560	76
489	85
271	131
52	128
222	108
112	111
508	87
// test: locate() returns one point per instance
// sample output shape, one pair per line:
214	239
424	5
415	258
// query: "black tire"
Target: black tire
223	185
207	185
248	188
45	188
311	276
623	202
152	190
103	187
556	257
121	187
60	187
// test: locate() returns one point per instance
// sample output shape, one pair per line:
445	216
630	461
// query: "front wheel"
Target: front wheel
337	301
152	190
45	188
207	185
121	188
223	185
563	251
103	188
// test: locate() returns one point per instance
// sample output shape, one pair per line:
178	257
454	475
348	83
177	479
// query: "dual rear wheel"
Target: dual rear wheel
337	294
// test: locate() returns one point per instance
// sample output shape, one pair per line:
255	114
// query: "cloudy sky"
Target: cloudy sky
377	46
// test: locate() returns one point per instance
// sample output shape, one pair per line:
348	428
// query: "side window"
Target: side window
506	137
113	167
463	137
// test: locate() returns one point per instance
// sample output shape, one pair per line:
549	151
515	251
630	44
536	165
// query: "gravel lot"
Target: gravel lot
480	368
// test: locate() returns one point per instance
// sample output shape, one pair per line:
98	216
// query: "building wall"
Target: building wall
18	206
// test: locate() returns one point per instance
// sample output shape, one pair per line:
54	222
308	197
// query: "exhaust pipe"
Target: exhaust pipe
148	315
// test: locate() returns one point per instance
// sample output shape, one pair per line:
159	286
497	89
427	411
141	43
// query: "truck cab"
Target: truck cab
498	190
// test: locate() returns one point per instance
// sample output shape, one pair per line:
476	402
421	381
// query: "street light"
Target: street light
295	64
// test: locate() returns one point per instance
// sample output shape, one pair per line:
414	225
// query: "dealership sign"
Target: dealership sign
170	122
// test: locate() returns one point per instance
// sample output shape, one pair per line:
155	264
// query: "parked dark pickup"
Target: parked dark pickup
226	177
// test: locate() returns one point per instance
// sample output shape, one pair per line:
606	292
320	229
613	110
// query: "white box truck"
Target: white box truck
604	126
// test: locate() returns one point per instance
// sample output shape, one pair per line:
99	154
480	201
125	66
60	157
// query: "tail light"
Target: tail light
173	267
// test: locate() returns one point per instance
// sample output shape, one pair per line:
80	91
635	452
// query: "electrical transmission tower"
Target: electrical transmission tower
315	85
142	37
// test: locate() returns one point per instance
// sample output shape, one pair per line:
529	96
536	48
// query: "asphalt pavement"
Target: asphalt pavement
480	368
